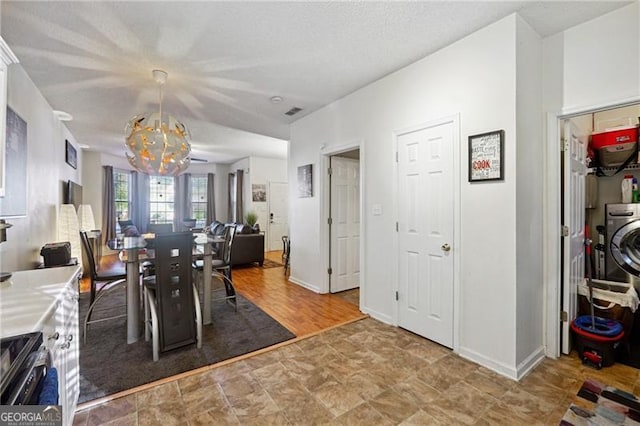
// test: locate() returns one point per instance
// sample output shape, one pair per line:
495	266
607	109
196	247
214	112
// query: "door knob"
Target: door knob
446	247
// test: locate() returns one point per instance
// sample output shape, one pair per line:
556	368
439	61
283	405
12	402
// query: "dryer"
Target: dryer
622	242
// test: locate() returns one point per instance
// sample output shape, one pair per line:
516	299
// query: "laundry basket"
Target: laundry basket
612	300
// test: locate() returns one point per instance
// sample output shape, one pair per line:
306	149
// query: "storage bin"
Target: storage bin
612	300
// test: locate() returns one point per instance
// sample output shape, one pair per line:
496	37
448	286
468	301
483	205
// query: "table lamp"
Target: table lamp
69	229
3	237
85	218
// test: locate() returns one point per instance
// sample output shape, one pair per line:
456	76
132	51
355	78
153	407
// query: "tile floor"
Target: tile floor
364	373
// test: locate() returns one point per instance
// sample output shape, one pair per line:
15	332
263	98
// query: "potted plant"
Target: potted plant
252	218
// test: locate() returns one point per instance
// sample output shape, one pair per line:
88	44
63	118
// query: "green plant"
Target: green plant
251	218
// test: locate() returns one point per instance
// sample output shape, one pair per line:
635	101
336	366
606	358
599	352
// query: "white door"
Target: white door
345	227
278	214
425	232
575	169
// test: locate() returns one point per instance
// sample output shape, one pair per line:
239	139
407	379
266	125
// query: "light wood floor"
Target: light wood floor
301	311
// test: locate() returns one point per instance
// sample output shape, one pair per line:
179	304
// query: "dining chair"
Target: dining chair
112	277
286	252
173	317
221	266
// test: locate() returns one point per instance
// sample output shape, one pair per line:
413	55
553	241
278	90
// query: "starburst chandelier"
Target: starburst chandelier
159	144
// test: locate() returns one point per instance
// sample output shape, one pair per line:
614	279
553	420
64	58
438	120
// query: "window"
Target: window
199	200
161	199
121	190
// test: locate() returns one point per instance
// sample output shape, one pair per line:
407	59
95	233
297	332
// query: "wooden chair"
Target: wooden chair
112	277
172	307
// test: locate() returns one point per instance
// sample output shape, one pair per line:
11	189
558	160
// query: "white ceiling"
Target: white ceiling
226	59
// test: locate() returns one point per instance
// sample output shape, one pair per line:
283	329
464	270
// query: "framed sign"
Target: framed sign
305	181
486	156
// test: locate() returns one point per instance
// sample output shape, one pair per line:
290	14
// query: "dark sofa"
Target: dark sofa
247	248
248	245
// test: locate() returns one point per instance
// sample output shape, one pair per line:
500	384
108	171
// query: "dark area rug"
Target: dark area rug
271	264
109	365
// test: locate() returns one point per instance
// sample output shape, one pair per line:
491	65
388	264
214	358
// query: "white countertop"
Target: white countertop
29	297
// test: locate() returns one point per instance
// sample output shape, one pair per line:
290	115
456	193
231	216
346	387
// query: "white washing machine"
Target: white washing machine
622	242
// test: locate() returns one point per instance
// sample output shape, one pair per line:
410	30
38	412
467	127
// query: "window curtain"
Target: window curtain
211	199
182	201
239	218
108	205
230	204
139	198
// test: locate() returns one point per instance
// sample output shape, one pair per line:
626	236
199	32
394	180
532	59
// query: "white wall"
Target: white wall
46	173
260	170
529	201
443	84
602	60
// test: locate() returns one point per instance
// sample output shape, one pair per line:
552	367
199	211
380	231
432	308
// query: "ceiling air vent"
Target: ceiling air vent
198	160
293	111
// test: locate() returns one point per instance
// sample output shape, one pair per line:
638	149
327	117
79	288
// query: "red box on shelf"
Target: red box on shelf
615	136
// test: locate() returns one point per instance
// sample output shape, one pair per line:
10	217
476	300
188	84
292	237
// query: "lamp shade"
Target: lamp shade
85	218
69	230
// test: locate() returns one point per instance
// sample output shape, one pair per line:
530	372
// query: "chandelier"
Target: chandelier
159	144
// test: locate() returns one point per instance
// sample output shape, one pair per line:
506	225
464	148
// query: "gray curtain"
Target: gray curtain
140	200
239	217
230	209
182	200
108	205
211	199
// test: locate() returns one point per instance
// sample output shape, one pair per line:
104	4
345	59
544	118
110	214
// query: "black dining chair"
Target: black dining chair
221	266
111	277
173	317
286	252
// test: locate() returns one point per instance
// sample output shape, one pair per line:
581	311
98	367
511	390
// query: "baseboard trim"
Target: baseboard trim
304	284
491	364
531	362
512	373
387	319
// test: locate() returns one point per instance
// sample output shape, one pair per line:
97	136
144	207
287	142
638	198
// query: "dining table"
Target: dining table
133	250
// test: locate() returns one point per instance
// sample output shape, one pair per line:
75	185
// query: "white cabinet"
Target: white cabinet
47	300
60	334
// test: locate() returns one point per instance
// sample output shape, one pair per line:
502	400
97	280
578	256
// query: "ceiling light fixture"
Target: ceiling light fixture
160	144
276	99
62	116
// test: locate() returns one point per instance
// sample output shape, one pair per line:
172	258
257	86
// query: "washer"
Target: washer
622	242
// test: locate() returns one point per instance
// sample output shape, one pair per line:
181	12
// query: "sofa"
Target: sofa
248	244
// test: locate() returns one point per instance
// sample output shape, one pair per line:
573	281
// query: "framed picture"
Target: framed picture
259	192
486	156
14	201
70	155
305	181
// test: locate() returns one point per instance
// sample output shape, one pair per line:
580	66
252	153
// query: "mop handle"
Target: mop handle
587	249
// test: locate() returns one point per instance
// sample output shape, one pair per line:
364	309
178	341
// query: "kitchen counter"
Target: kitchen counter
28	298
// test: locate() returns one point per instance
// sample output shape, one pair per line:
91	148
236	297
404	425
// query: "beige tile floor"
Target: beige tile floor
363	373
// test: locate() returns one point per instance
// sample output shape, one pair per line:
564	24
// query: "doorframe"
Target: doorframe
325	202
551	227
457	197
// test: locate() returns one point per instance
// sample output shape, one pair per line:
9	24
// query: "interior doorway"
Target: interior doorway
278	214
344	221
590	185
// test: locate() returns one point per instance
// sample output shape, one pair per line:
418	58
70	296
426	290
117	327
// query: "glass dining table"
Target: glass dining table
133	250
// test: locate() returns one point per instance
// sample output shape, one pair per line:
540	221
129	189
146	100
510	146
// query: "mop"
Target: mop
598	337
